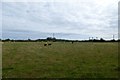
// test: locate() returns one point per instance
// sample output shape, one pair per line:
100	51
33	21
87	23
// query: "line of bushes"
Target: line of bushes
58	40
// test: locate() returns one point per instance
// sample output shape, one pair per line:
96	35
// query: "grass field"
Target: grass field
0	60
60	60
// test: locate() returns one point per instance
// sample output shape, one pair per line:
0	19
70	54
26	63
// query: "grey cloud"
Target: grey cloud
85	19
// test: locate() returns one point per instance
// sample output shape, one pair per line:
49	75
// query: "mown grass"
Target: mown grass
0	59
60	60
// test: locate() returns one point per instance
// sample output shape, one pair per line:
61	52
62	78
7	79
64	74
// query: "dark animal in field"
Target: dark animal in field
49	44
72	42
45	44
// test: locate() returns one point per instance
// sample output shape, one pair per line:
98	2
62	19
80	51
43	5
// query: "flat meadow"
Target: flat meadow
60	60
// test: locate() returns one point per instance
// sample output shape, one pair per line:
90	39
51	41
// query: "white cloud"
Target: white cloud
0	20
83	17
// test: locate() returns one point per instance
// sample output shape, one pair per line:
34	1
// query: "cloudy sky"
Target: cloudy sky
67	19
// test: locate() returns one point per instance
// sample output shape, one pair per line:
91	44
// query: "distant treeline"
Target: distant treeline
59	40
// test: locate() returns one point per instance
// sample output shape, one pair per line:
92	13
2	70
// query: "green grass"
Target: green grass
60	60
0	59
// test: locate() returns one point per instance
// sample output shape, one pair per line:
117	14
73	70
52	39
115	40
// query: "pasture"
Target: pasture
0	59
60	60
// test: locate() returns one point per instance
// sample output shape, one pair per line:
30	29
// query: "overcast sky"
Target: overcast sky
67	19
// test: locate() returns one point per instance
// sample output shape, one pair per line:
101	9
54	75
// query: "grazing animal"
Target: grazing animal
49	44
45	44
72	42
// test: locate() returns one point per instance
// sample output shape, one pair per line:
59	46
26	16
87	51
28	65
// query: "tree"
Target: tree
7	39
51	39
29	39
101	39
